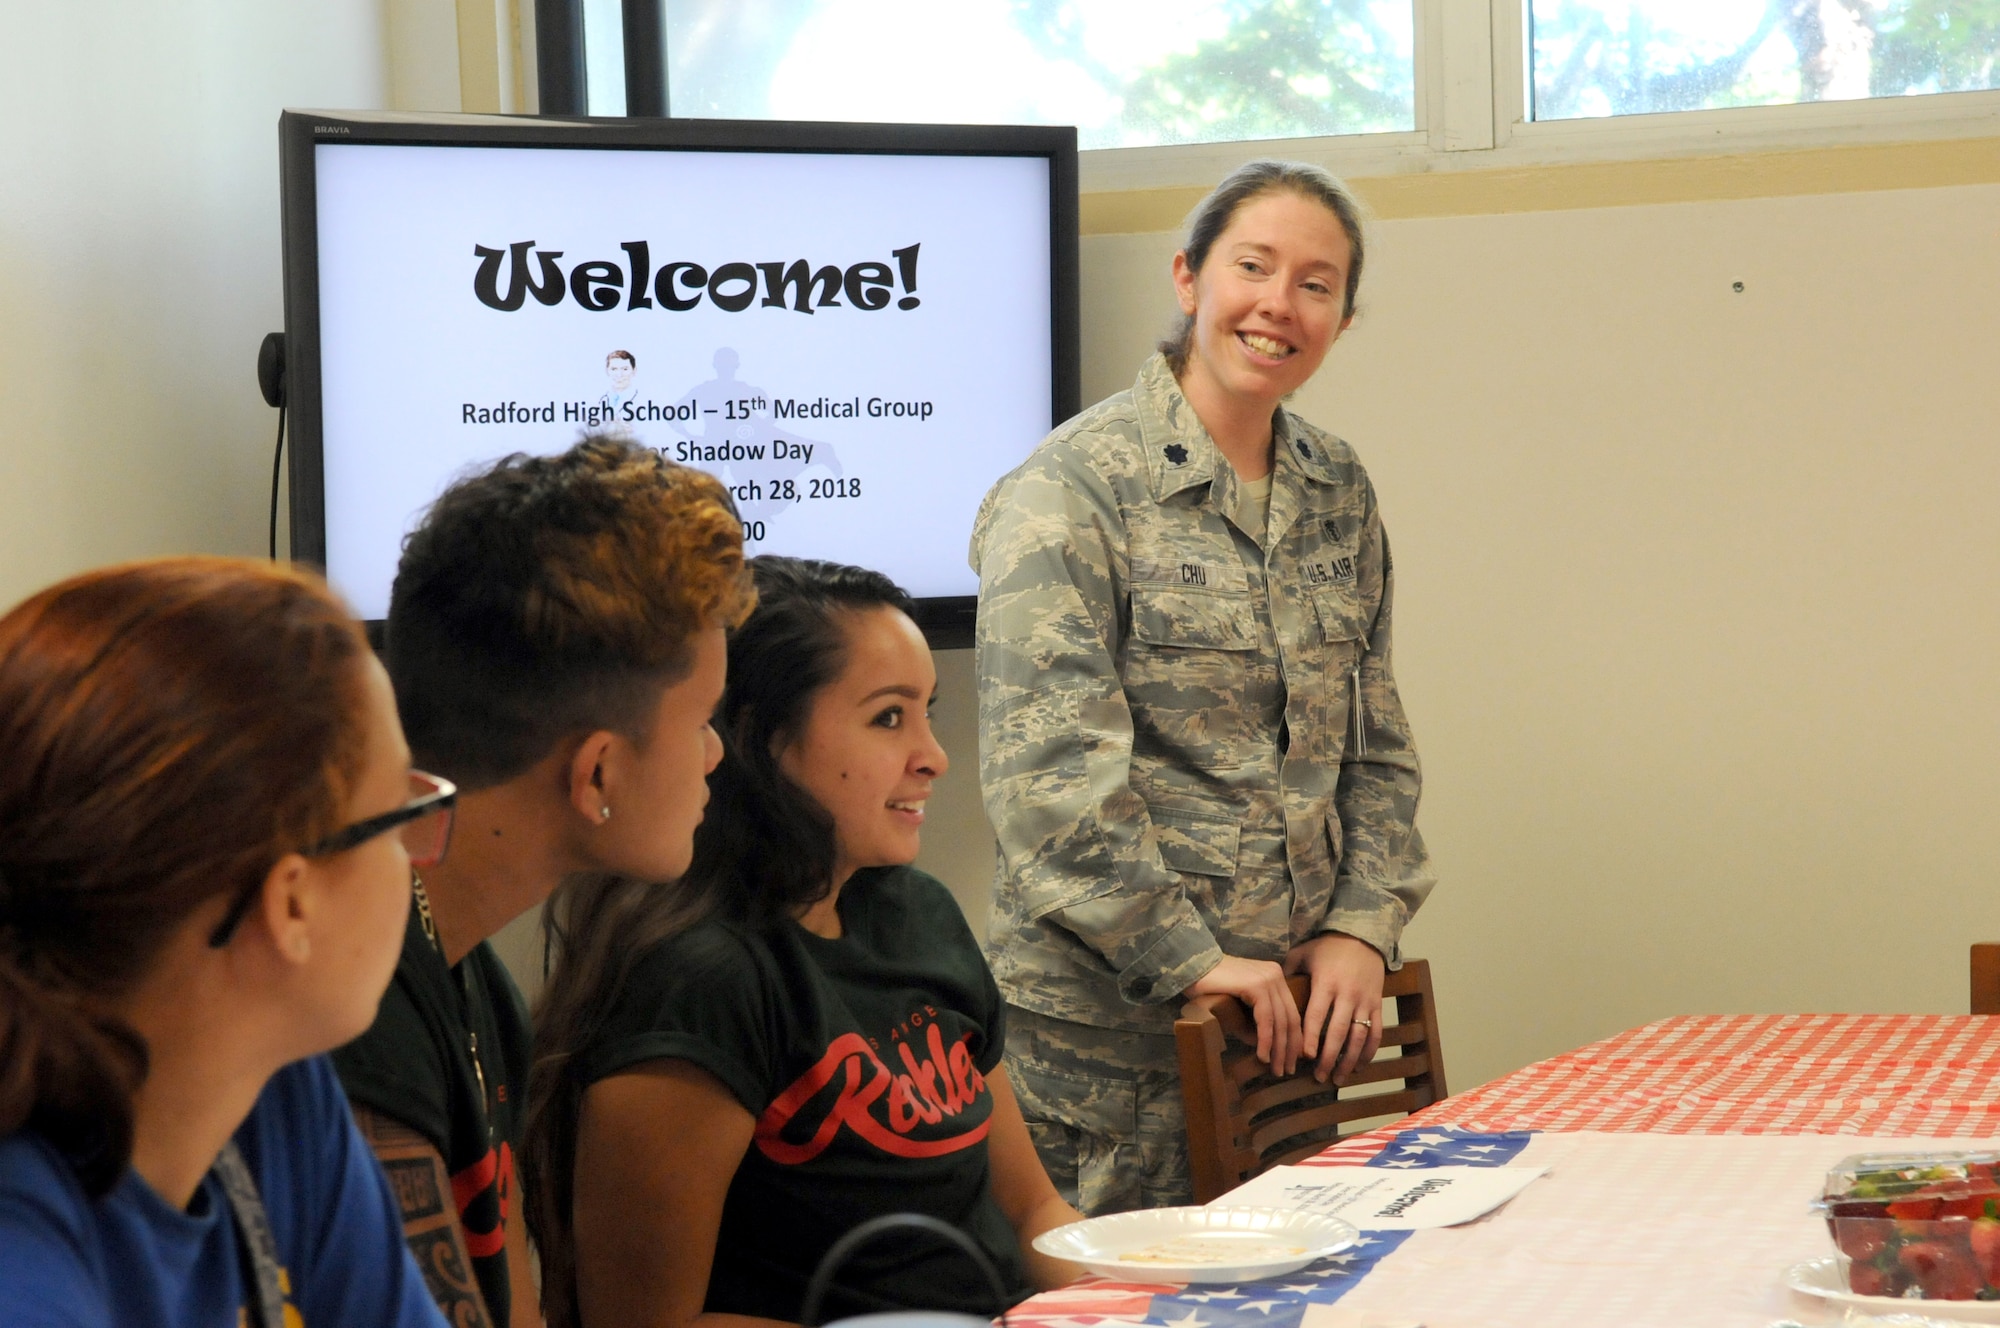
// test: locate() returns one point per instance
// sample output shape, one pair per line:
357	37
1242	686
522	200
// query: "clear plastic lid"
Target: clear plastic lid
1893	1177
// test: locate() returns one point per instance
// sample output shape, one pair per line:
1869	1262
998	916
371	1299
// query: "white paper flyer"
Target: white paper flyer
1379	1199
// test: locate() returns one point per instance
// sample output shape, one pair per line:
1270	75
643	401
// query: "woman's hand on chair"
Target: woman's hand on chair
1343	1019
1260	984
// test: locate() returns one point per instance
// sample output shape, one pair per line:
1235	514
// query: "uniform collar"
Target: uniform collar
1301	450
1291	475
1179	452
1180	455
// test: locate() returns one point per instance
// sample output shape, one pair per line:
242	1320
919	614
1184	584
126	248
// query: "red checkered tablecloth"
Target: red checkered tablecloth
1873	1074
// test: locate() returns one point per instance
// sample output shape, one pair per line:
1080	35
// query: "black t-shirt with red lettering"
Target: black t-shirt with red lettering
864	1060
415	1064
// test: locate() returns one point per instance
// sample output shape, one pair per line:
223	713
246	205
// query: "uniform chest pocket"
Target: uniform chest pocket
1338	609
1193	619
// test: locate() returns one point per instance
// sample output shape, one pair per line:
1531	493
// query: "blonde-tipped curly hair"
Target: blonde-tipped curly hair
545	597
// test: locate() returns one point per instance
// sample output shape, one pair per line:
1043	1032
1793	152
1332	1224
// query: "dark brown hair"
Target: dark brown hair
764	851
549	596
1254	179
168	731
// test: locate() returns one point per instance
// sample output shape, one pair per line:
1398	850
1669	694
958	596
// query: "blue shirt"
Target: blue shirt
132	1258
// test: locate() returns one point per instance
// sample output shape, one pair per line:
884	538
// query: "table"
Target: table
1648	1135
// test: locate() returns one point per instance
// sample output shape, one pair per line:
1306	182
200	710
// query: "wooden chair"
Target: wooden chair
1986	978
1242	1120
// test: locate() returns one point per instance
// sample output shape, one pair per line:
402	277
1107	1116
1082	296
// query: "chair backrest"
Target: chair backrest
1242	1120
1986	978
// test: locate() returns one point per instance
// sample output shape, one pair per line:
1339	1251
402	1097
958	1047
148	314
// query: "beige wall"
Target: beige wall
139	266
1698	598
139	254
422	47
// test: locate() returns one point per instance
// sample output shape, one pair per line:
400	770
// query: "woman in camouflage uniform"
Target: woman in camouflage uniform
1191	745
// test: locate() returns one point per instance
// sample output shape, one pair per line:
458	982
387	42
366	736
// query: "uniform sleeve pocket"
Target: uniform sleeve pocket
1201	620
1198	842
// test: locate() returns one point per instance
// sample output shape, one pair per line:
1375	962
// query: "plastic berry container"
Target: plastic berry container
1925	1226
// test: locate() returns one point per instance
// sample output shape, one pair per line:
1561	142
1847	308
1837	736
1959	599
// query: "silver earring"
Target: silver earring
603	813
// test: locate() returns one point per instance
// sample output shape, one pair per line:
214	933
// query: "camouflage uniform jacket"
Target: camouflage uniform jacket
1190	741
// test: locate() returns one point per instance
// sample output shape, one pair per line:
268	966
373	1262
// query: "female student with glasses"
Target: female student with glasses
207	824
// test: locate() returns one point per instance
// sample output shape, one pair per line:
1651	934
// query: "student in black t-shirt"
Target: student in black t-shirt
556	641
733	1074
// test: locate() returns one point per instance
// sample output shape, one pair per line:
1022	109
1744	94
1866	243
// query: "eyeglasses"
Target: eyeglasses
424	823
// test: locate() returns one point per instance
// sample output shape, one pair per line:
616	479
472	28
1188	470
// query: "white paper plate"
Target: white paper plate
1822	1278
1199	1244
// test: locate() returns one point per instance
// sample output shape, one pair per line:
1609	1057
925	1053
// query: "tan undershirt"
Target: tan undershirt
1256	501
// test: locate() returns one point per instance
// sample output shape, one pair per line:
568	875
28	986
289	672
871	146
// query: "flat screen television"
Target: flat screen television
857	327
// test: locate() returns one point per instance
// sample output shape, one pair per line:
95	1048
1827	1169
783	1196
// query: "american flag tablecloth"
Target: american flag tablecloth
1881	1076
1282	1302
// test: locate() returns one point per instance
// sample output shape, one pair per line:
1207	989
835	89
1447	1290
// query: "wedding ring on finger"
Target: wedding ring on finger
1363	1023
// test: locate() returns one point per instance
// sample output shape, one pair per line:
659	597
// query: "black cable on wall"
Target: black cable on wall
277	468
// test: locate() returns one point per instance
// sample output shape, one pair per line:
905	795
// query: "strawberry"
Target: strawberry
1984	1238
1969	1207
1915	1209
1860	1238
1865	1279
1942	1272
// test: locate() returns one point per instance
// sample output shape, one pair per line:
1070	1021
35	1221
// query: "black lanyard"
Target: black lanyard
266	1295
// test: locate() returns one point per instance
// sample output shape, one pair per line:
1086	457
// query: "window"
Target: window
1624	57
1127	73
604	56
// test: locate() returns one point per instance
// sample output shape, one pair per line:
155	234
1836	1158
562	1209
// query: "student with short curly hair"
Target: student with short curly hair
556	640
207	820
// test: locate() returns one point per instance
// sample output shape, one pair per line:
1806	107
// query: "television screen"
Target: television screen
857	328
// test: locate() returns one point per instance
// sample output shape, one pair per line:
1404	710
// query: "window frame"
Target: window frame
1472	82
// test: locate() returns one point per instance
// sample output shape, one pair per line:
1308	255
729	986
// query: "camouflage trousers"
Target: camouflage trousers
1103	1106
